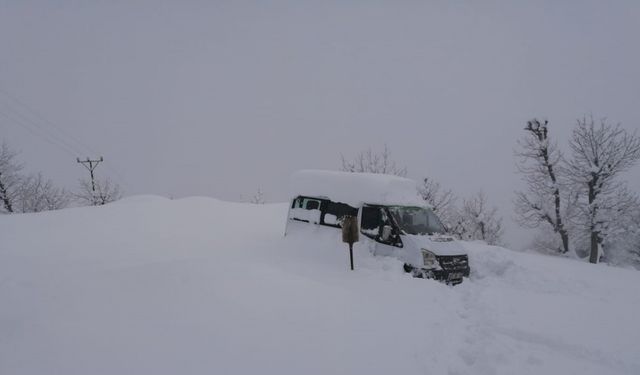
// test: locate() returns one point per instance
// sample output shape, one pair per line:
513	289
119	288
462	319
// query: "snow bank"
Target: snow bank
200	286
355	189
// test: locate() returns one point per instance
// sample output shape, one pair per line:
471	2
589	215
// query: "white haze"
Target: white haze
218	99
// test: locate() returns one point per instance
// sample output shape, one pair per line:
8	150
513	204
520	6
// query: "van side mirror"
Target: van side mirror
386	233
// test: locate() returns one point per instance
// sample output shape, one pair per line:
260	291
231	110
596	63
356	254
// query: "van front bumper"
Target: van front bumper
451	276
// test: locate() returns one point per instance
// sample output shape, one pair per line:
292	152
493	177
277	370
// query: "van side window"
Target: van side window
306	203
371	220
334	212
306	209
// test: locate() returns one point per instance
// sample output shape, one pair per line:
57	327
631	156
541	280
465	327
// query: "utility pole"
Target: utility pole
91	166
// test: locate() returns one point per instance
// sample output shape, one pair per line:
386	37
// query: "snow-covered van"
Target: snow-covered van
393	219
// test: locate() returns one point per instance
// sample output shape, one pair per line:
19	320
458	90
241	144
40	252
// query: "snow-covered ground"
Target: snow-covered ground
149	285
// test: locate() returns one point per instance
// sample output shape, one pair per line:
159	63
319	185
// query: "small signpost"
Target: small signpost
350	233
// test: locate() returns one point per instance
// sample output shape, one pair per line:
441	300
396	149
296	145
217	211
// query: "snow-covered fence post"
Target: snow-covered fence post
350	234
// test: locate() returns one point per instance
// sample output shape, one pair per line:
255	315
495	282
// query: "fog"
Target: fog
221	98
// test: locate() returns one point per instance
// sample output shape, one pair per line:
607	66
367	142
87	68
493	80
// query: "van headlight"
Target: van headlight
429	258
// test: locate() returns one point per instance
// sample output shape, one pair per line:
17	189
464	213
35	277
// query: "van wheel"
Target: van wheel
407	268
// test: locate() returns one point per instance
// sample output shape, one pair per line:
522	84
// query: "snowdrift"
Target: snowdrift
149	285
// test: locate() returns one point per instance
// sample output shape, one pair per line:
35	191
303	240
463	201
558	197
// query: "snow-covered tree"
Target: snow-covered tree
473	220
545	201
10	179
621	232
40	194
440	199
476	220
102	193
258	197
373	162
19	193
600	153
623	246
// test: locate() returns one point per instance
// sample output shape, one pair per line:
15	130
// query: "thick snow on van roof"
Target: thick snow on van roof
355	189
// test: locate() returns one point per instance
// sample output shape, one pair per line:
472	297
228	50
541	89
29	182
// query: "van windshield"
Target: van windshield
417	220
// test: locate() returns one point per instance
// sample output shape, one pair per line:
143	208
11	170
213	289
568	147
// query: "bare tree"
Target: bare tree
477	221
10	179
373	162
544	201
258	197
105	192
441	200
39	194
600	153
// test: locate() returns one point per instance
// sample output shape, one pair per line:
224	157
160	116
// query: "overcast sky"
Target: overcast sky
220	98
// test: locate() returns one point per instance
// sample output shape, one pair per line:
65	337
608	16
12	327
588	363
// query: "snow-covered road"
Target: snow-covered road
154	286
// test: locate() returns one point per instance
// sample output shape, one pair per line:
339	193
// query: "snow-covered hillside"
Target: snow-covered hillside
199	286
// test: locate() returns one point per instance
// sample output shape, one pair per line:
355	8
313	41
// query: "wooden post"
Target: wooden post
351	255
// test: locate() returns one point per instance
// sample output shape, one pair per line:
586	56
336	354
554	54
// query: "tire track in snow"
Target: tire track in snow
488	347
472	342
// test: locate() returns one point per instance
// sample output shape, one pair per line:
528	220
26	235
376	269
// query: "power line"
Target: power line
40	117
51	138
24	121
47	134
38	134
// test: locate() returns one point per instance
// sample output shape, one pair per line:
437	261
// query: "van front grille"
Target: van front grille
455	262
